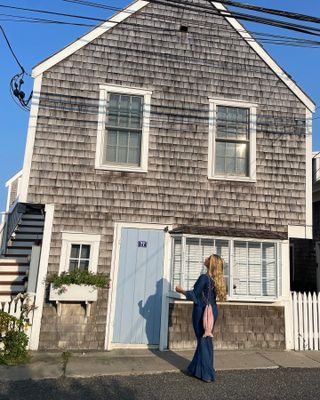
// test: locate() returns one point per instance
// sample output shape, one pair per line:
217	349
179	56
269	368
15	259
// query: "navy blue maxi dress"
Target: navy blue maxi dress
201	365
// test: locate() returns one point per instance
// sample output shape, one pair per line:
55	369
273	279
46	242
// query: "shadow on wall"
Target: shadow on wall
151	312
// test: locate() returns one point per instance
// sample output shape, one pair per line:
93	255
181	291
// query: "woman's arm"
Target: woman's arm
179	289
194	294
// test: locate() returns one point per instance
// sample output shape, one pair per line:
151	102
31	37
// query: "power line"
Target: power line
11	49
52	13
192	7
282	13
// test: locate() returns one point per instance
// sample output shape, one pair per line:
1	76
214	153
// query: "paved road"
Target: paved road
275	384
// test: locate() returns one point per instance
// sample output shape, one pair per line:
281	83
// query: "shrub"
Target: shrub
13	340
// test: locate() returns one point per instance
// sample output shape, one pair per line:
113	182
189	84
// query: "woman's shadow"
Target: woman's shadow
151	312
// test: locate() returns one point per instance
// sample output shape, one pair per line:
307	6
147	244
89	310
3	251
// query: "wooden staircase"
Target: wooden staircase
15	261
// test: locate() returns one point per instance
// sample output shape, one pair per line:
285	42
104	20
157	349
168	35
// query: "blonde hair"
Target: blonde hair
215	271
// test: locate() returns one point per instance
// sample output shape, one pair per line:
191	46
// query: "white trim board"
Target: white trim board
33	119
42	272
138	5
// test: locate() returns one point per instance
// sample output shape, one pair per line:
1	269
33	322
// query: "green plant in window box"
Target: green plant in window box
78	277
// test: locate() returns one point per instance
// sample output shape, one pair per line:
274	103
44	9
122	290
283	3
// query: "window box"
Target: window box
73	293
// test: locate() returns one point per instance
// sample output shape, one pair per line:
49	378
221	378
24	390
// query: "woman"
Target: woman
208	287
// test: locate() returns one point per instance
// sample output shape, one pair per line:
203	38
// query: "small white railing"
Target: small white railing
13	307
306	321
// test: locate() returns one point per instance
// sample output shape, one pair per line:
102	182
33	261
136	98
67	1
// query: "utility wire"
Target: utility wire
11	49
282	13
193	7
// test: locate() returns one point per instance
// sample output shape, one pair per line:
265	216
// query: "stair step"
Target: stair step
18	259
21	243
12	278
8	287
30	229
14	269
17	251
28	222
26	236
4	273
39	217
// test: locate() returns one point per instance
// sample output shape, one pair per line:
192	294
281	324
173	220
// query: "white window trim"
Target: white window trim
104	90
69	238
213	103
233	297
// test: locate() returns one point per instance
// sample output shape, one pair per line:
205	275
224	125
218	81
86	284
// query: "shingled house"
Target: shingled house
165	134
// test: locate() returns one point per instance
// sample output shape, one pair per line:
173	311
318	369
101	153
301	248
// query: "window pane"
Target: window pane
75	251
111	154
84	265
134	140
254	268
193	262
134	156
241	167
230	149
220	165
123	138
269	269
113	110
73	265
112	137
241	150
240	272
230	165
136	112
176	264
85	251
122	154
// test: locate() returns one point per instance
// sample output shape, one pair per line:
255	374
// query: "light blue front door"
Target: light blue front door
139	287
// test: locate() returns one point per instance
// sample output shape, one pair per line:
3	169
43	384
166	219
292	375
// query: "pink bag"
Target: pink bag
208	321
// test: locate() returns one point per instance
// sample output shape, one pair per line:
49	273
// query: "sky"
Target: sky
33	42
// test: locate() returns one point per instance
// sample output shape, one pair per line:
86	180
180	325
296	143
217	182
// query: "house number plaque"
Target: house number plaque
142	243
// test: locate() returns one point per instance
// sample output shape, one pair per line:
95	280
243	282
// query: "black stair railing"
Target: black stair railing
11	222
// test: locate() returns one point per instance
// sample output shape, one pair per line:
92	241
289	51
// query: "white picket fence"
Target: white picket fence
13	307
306	321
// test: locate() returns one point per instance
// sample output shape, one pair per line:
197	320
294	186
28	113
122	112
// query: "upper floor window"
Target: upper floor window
232	140
123	132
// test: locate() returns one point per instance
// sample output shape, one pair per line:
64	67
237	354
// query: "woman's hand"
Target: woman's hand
179	289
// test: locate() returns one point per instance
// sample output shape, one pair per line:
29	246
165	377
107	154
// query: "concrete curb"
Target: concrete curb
145	362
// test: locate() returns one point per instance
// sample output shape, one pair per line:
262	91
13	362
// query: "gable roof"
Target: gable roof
138	5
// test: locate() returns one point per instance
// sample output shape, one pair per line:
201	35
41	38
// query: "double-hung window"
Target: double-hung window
252	268
79	251
123	129
232	140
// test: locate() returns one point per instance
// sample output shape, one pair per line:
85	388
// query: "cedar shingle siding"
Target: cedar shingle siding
182	69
